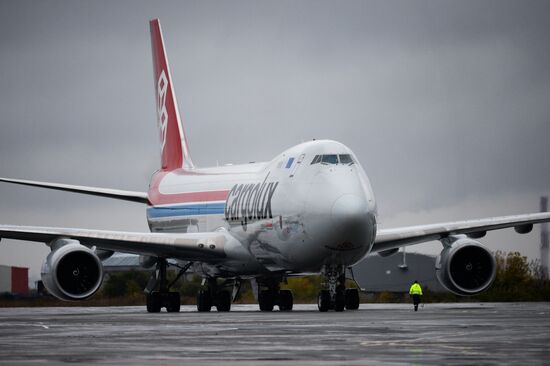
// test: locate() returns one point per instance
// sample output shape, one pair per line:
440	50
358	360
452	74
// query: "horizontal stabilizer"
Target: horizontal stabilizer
132	196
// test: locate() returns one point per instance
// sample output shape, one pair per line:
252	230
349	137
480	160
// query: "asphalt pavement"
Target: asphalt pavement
450	334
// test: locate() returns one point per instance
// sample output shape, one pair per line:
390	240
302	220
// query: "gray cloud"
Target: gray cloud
445	103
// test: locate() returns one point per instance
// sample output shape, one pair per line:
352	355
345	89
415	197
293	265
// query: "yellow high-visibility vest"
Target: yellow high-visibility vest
415	289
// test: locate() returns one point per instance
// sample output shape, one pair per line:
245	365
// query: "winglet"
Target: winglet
174	148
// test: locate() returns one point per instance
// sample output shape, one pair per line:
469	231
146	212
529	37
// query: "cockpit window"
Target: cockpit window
316	159
345	159
329	159
333	159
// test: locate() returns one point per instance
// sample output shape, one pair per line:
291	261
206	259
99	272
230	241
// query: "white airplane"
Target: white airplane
309	210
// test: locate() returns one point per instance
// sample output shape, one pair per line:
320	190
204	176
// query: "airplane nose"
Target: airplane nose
351	225
350	207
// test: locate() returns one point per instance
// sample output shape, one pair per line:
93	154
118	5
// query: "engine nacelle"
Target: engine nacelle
71	271
466	267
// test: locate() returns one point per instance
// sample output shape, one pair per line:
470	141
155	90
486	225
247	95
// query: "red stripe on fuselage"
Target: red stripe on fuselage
157	198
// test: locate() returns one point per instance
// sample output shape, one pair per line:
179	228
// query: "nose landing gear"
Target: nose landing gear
335	296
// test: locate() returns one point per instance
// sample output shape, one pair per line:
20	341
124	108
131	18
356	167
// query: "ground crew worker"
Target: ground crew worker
416	293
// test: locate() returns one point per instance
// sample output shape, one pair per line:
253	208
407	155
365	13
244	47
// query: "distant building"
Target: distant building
14	280
378	274
121	262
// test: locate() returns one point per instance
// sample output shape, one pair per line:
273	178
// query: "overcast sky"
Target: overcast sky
445	103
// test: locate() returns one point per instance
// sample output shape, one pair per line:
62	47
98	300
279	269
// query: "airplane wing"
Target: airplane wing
132	196
208	247
391	239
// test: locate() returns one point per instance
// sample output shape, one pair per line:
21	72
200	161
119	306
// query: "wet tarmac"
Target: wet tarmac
376	334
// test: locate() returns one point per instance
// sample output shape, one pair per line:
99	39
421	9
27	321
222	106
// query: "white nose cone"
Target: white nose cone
351	230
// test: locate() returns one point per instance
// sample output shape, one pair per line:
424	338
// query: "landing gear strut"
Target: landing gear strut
163	297
213	294
270	294
335	296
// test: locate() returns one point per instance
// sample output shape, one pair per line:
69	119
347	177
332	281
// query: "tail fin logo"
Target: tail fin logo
162	88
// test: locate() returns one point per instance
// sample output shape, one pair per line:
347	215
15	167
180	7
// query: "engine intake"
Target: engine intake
72	271
466	267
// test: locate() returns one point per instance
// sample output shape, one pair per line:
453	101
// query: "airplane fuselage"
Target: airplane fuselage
309	207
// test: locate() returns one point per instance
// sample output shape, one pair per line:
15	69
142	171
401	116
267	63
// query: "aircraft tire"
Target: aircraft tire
323	301
266	300
174	302
223	301
340	301
204	301
352	299
286	300
153	303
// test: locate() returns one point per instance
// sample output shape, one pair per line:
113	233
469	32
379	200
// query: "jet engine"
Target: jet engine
465	267
71	271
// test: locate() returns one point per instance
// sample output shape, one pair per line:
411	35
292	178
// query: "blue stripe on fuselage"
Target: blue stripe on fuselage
187	210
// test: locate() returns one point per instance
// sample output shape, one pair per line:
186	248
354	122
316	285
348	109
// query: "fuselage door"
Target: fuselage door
297	165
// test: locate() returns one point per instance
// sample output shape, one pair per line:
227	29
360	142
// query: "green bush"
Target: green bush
517	279
123	284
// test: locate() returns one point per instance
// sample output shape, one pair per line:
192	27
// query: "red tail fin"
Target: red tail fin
174	151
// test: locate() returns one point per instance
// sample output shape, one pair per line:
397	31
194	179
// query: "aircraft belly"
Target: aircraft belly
230	268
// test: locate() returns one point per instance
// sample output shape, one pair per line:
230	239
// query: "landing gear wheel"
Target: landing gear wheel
158	289
153	303
204	301
173	302
323	301
352	299
157	300
286	300
266	300
223	301
340	301
333	296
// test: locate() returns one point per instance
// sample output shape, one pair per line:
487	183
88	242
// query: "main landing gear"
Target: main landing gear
270	294
335	296
214	294
163	297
